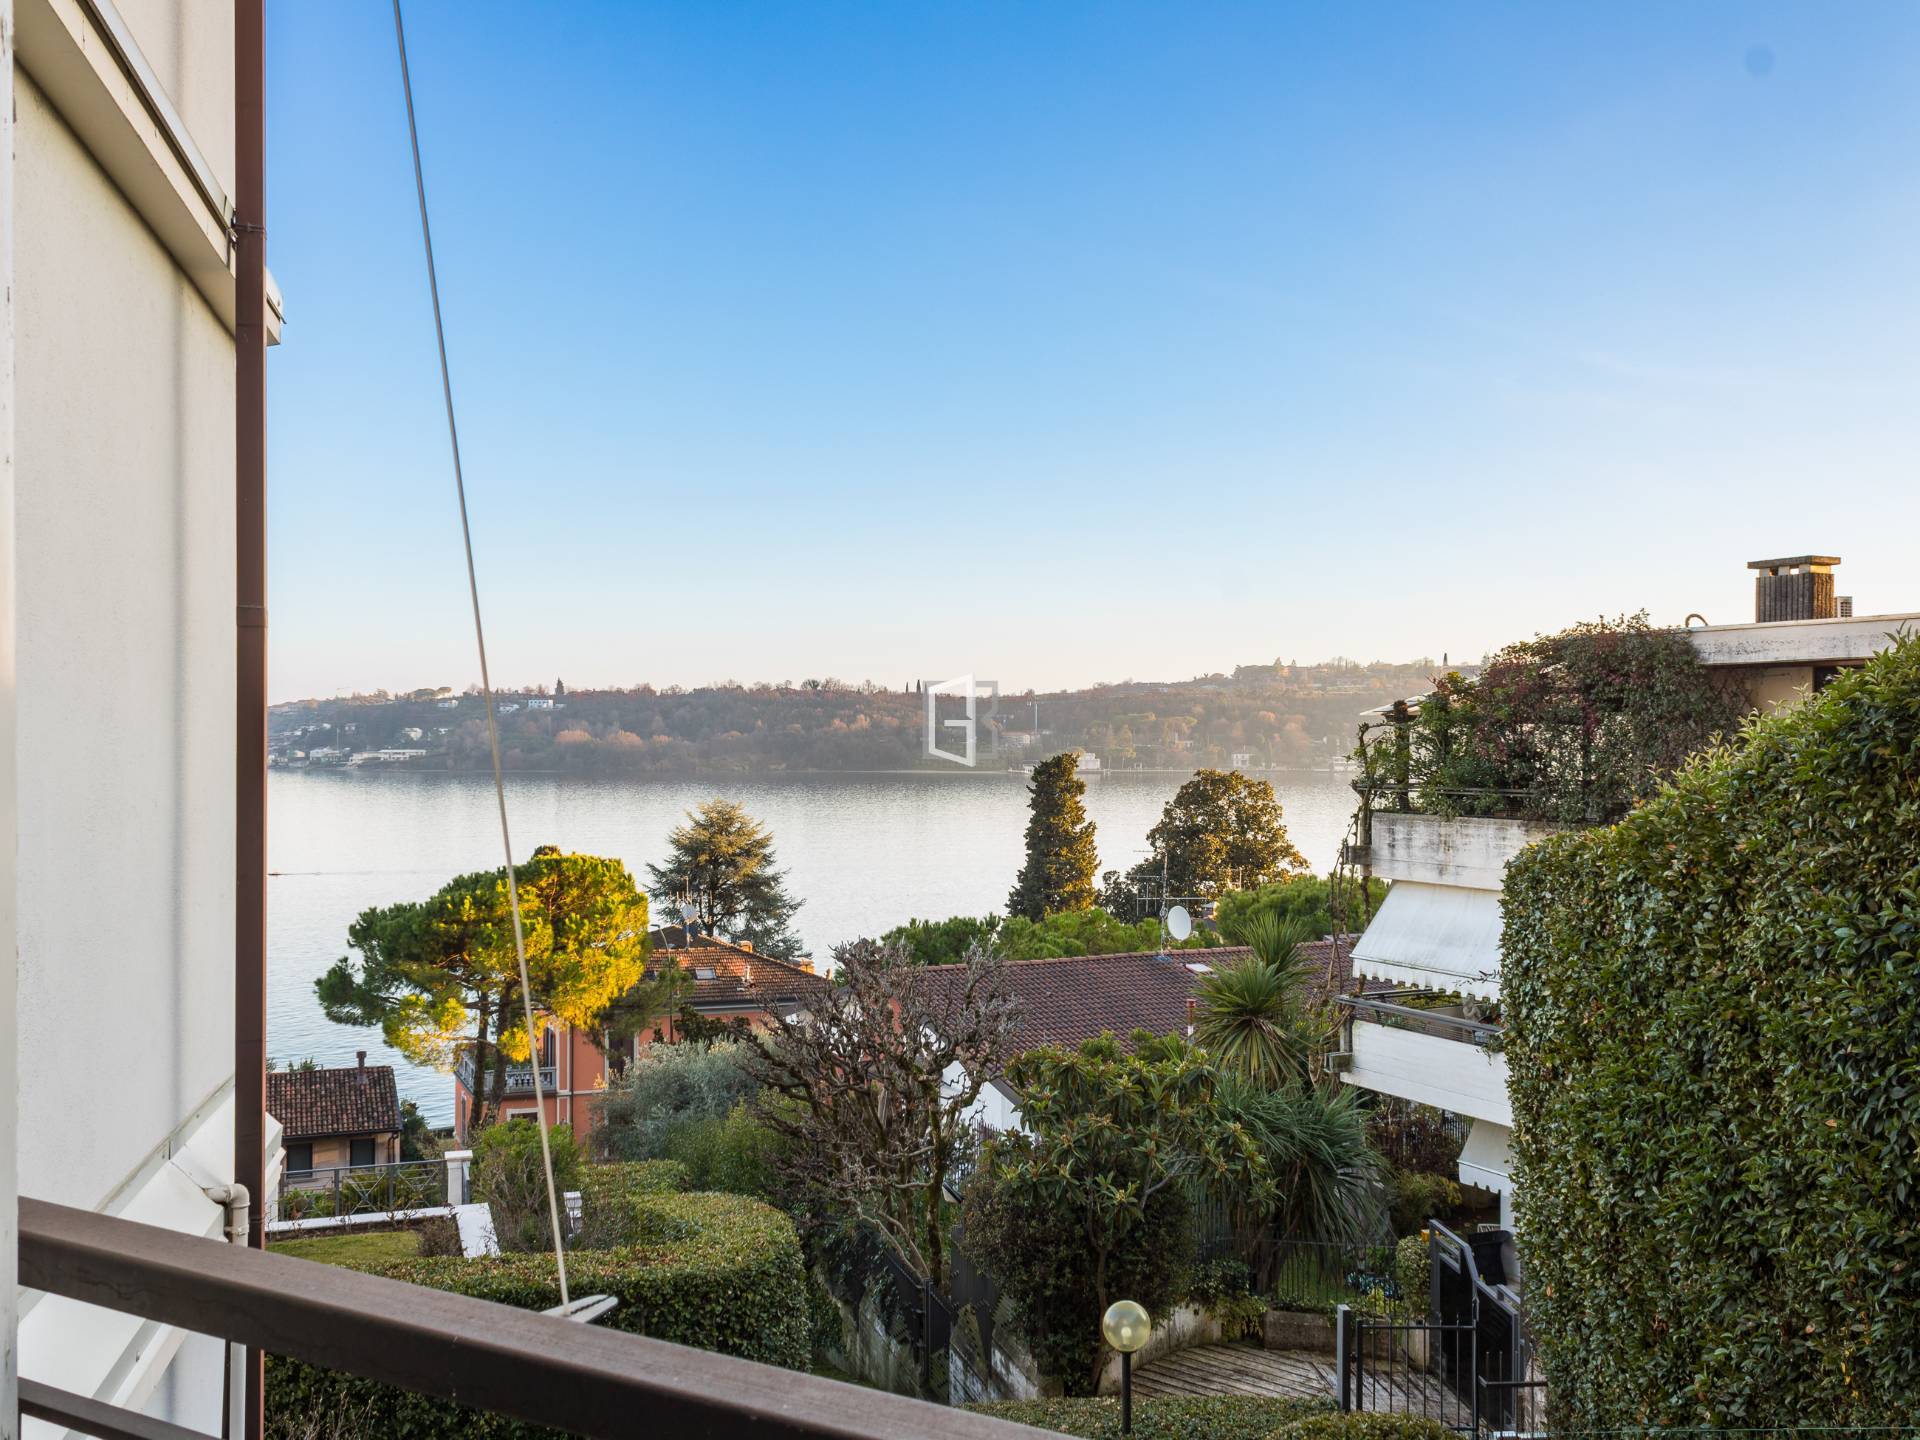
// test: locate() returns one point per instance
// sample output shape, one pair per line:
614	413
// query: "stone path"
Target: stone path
1243	1368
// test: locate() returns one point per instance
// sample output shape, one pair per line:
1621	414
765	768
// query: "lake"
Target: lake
864	852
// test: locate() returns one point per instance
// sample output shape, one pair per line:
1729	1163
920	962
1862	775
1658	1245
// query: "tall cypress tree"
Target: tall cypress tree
1061	860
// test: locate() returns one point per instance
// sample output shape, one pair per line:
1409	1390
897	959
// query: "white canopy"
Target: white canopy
1437	937
1485	1159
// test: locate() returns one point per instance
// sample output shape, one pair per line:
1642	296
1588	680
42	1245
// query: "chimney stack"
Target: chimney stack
363	1058
1798	587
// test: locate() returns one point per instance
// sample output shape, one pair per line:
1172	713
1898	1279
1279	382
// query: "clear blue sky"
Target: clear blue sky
1062	342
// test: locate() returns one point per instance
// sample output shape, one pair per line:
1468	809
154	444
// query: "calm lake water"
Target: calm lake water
864	852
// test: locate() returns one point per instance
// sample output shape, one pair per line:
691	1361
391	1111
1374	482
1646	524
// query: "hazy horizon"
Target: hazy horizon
1059	343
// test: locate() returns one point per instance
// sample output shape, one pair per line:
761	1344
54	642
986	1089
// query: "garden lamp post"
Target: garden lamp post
1126	1328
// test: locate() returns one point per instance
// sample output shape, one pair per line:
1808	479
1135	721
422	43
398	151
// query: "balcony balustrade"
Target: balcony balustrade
532	1367
519	1077
343	1190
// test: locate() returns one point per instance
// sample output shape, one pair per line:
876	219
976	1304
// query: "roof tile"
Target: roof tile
1072	999
350	1100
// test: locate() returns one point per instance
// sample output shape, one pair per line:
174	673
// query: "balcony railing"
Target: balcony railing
361	1189
519	1077
1393	1010
537	1368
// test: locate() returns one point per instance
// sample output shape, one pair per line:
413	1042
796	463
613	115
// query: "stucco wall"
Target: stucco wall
1444	850
1430	1069
190	47
335	1152
125	626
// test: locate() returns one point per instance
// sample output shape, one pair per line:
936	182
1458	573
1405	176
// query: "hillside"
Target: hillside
1261	716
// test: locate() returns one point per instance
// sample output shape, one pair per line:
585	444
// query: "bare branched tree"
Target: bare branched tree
874	1081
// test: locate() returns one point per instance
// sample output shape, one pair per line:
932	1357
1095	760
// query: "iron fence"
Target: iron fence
1466	1363
342	1190
1294	1273
951	1333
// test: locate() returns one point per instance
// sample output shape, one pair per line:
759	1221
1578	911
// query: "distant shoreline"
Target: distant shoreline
957	773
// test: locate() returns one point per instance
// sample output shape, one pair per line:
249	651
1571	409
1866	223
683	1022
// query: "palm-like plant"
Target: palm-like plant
1250	1019
1328	1183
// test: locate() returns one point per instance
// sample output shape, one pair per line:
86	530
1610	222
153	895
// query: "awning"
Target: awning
1484	1159
1435	937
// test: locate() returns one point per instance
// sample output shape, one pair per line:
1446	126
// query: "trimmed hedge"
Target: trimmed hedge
1214	1417
730	1279
1363	1425
1713	1013
608	1193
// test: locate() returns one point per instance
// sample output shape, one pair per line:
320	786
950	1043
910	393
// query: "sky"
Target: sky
1067	342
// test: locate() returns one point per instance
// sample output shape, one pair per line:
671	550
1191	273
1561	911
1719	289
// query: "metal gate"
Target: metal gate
1466	1365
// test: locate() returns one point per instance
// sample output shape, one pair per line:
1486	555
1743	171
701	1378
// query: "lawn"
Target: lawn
374	1248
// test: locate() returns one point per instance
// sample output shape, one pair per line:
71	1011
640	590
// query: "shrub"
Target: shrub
303	1204
732	1152
1363	1425
667	1086
731	1280
1328	1186
1304	902
1413	1269
607	1193
1712	1010
1037	1251
1572	727
509	1177
1224	1289
439	1235
1094	1205
1212	1417
1419	1197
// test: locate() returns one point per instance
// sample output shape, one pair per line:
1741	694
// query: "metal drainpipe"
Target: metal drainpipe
250	617
237	1203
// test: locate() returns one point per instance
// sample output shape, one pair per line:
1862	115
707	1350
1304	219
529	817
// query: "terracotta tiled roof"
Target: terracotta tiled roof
1066	1001
352	1100
730	977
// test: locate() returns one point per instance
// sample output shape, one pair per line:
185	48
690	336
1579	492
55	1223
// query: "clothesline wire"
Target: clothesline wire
486	682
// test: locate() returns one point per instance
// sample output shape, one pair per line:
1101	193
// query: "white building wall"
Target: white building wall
123	626
1430	1070
125	438
1470	853
9	1068
188	44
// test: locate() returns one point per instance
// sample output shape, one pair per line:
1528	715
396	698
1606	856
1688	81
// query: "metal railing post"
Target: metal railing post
926	1336
1402	755
1342	1354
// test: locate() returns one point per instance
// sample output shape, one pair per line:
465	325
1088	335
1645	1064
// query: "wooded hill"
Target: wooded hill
1273	715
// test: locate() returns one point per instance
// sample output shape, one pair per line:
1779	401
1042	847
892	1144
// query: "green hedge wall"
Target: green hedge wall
1363	1425
726	1275
608	1192
1714	1037
1211	1417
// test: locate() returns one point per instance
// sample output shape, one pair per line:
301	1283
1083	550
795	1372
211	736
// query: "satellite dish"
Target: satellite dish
1179	923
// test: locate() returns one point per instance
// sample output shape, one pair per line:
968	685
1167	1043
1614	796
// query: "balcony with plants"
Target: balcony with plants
1568	729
